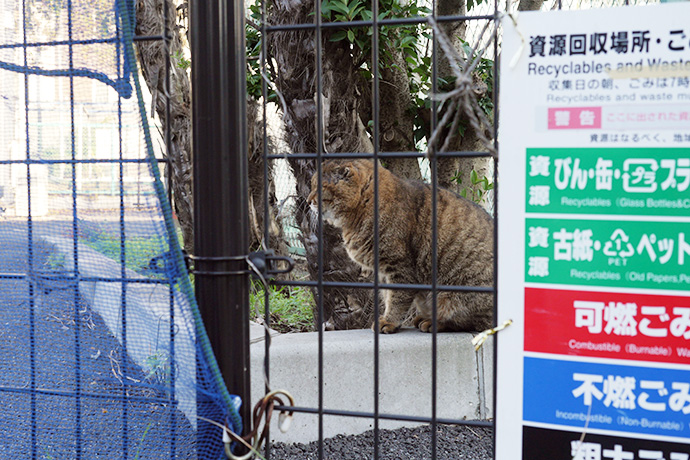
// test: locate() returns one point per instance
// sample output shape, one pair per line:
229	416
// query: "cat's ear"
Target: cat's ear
343	173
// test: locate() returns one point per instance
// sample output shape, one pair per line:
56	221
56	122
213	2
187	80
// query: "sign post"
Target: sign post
594	235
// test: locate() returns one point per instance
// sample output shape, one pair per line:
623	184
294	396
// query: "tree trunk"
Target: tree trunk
455	31
455	173
152	56
257	195
396	124
530	5
343	131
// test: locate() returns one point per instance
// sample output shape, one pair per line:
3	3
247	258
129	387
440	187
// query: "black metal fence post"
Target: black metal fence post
220	186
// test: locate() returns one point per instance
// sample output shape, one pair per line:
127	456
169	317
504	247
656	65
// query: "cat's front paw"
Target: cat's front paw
423	324
386	327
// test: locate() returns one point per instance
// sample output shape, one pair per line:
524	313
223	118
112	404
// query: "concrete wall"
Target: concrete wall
465	378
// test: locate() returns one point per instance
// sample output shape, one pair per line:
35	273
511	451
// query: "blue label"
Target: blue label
612	397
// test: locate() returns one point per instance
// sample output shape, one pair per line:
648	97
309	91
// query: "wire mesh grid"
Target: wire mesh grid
92	279
319	32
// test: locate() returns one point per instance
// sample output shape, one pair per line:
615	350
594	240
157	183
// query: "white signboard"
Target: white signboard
594	235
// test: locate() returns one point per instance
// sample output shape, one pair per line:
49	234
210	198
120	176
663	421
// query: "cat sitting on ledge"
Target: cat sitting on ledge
464	244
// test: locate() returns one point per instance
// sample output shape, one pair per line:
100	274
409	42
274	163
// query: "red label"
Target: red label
575	118
608	325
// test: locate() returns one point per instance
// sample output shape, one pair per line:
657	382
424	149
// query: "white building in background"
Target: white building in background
64	119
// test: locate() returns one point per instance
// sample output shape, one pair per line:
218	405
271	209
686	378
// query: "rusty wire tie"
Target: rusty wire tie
254	440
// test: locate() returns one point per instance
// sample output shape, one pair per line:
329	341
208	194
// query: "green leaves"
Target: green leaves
472	3
405	47
180	60
341	10
253	48
408	41
338	35
477	194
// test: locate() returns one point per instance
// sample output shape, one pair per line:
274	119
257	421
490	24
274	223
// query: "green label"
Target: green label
652	255
633	181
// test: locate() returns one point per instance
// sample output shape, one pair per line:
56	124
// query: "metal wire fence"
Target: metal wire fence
99	325
319	32
284	177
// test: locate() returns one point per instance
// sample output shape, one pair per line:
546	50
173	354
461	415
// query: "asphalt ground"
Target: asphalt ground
39	339
102	404
452	443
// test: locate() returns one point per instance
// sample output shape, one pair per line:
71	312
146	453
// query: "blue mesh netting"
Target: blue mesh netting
102	351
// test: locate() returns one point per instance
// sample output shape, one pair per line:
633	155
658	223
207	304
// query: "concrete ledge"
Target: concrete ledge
464	378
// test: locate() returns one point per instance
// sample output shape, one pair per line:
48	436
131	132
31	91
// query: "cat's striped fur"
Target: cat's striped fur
465	243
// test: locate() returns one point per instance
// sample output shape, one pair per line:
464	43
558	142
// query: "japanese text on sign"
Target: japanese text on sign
610	181
621	42
609	396
608	325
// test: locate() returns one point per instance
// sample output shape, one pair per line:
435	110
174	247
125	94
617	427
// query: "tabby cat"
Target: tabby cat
465	243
